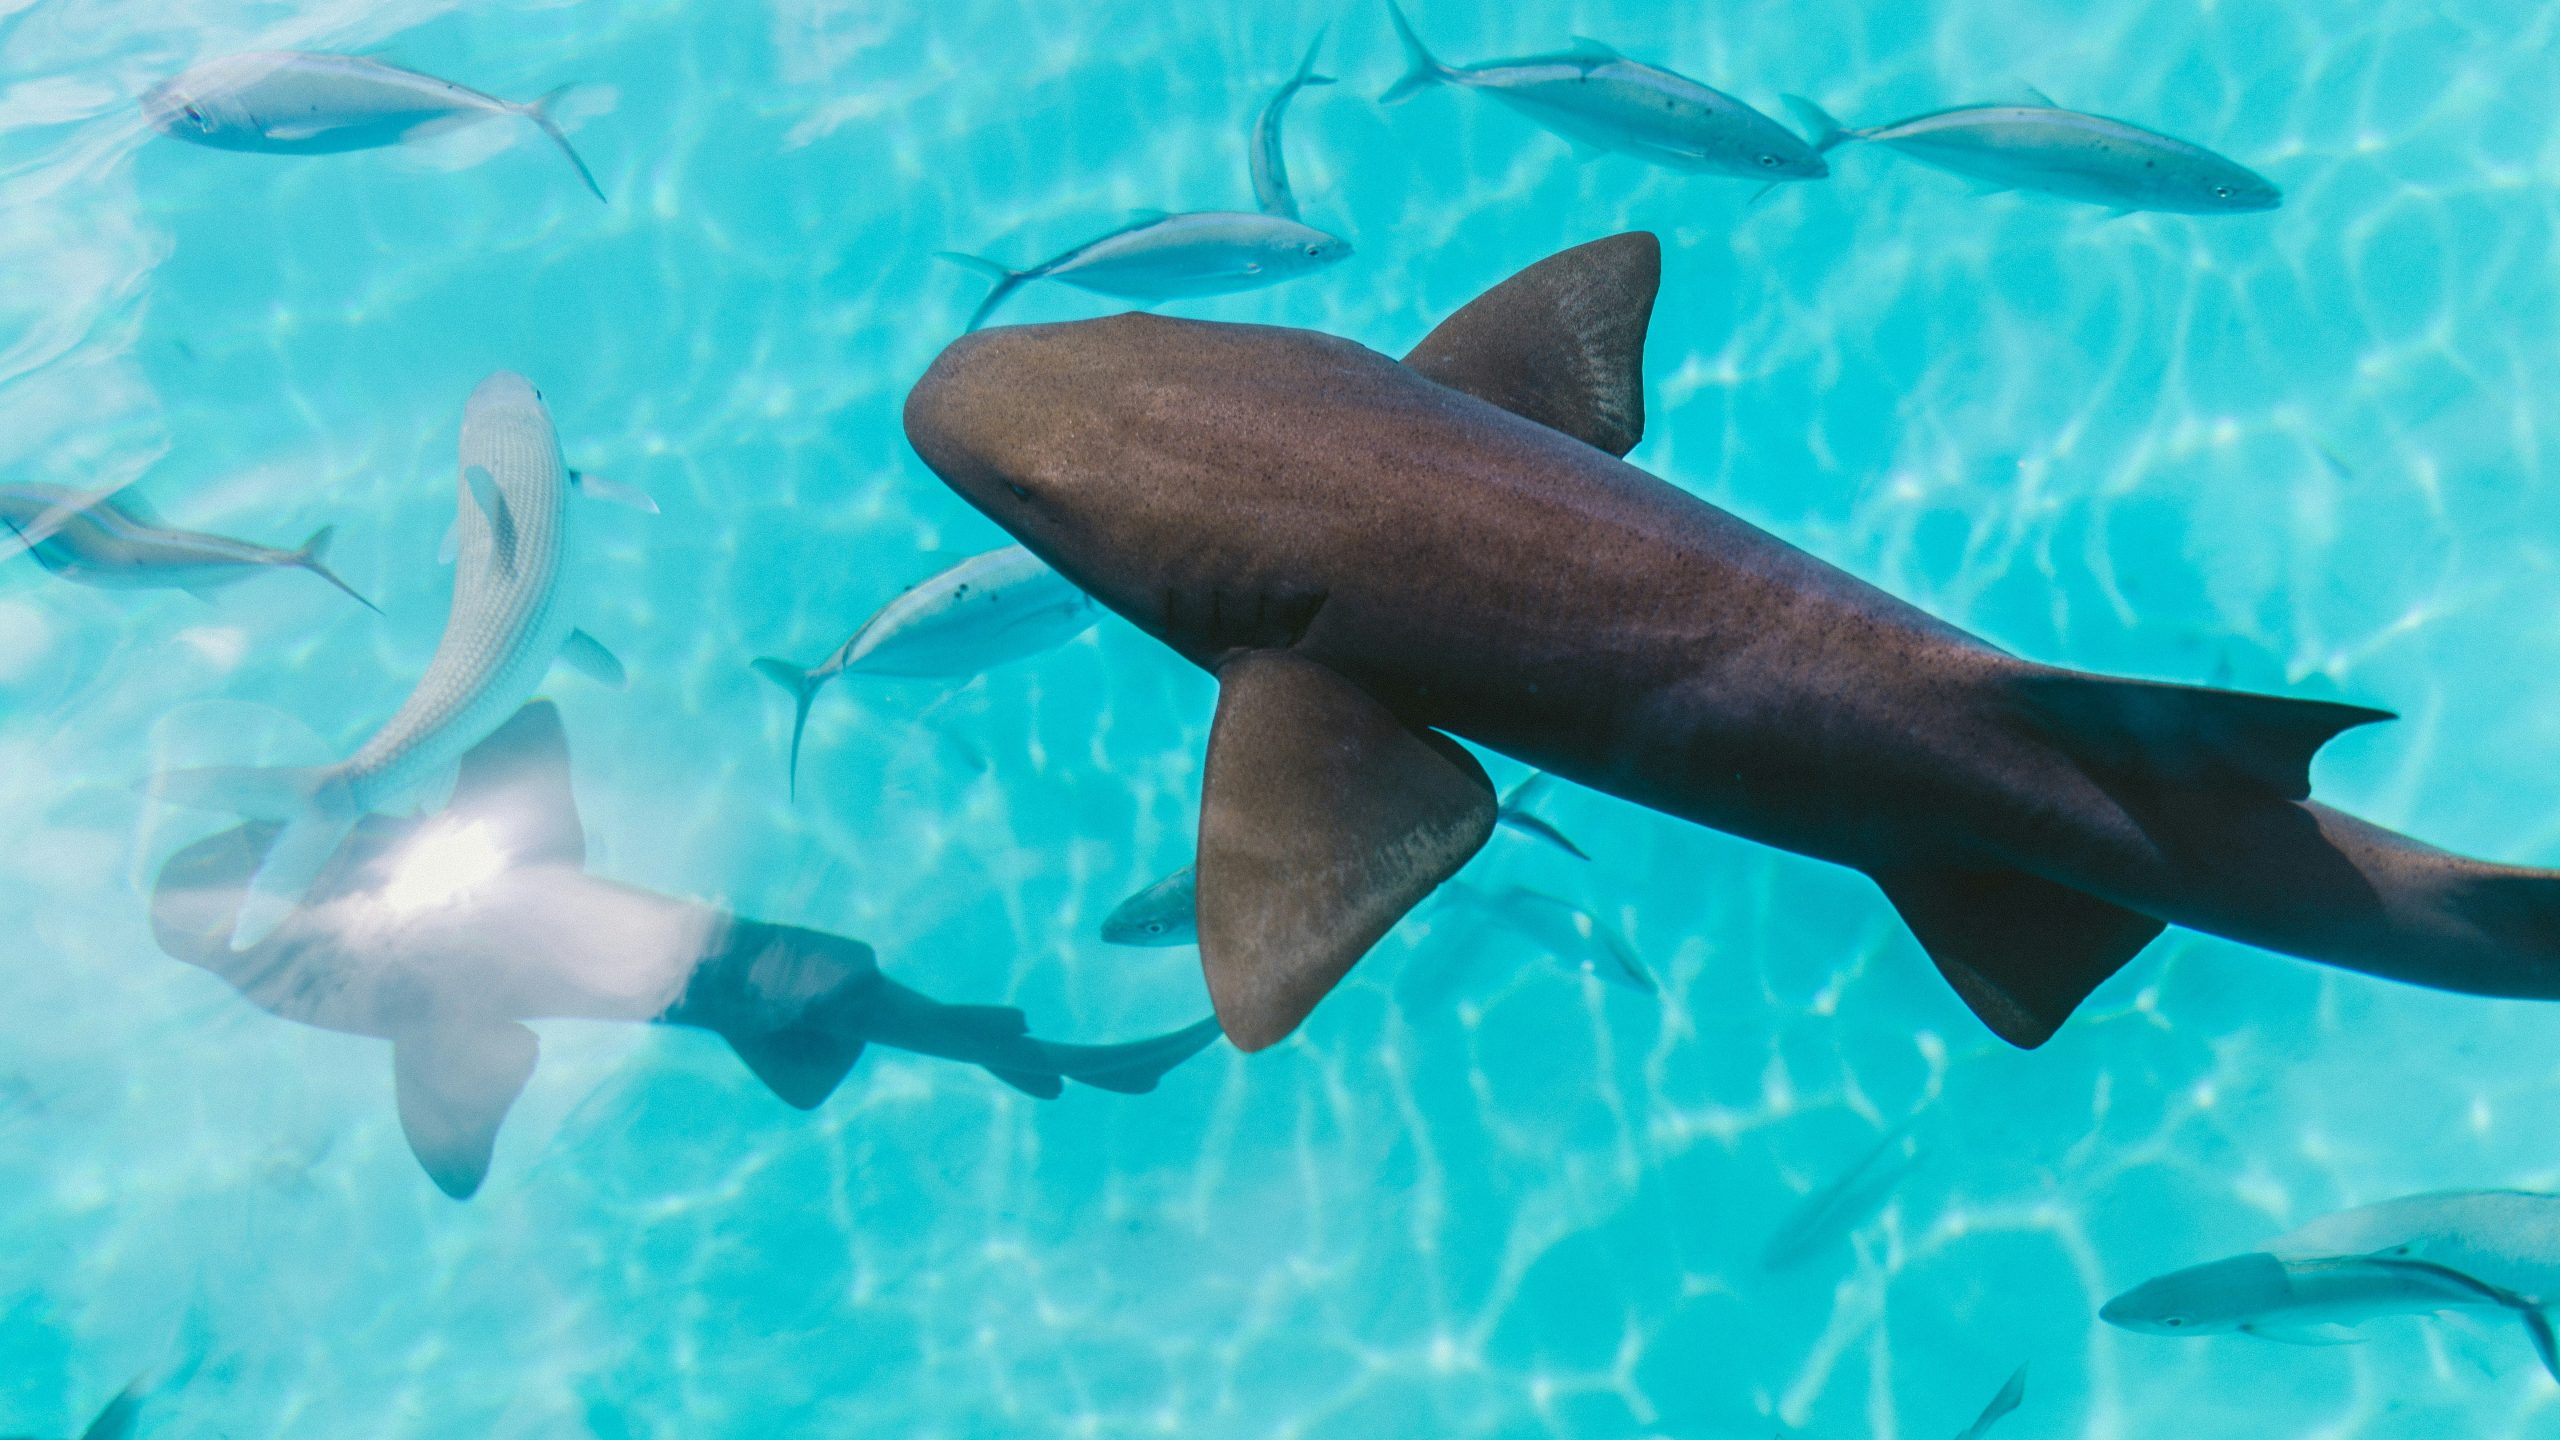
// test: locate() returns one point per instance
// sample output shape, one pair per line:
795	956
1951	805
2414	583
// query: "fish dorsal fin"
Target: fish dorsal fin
1323	819
492	501
1561	343
2177	736
2021	951
1590	49
518	781
457	1080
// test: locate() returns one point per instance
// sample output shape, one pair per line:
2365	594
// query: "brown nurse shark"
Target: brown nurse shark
1368	553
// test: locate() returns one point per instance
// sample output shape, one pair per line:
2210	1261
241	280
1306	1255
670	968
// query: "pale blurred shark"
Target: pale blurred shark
445	935
516	531
119	544
1377	559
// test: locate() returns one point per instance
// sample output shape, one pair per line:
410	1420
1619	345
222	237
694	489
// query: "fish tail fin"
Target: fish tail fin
313	556
315	806
2537	1328
1007	280
803	686
539	112
1422	69
1824	130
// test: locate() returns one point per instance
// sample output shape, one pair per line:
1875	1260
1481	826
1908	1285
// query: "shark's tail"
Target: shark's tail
1422	69
1821	128
315	806
1133	1067
313	556
539	112
1007	281
803	686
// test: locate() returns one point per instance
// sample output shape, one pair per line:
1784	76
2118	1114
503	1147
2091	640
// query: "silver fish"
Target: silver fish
1172	257
2053	151
986	611
1602	101
119	544
2002	1406
1270	166
295	102
2312	1300
1563	929
507	625
1834	1210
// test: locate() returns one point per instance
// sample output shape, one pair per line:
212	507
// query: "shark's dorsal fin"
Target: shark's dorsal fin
457	1080
1323	819
518	781
2023	952
1561	343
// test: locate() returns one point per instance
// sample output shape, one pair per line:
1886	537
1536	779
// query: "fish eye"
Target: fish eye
2221	192
196	118
2173	1322
1315	249
1768	162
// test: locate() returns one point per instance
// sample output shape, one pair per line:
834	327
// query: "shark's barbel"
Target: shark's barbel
515	530
1373	557
445	935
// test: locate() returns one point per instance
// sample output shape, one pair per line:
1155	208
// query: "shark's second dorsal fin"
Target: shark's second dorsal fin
457	1080
2157	736
1561	343
2021	951
1323	819
518	781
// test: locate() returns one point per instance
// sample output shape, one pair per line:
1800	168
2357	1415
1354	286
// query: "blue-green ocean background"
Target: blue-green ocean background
2311	452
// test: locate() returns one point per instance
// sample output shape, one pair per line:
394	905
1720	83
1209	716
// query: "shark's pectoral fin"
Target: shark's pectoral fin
2023	952
586	654
1323	819
457	1080
2153	735
802	1065
518	781
493	507
2304	1334
1561	343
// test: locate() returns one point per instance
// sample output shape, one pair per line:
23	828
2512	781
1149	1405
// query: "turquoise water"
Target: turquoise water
2304	452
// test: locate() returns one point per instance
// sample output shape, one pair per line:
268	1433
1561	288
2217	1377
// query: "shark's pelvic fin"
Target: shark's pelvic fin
1323	819
1561	343
2158	735
2023	952
803	1064
457	1080
518	779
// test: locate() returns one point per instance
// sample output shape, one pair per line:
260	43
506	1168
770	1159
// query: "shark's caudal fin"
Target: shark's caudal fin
1422	71
1561	343
539	112
803	686
1826	133
1007	281
1134	1067
1323	819
314	806
313	557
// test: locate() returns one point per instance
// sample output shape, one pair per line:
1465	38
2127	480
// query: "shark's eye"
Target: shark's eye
2221	192
2173	1322
1019	493
1315	249
1768	162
